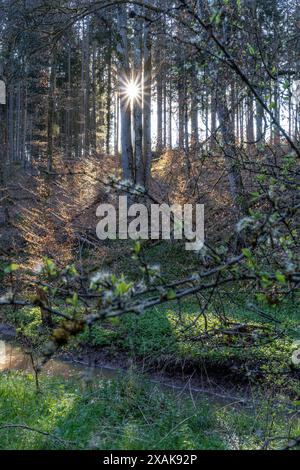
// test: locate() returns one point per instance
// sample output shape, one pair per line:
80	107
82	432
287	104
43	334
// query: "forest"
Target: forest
149	225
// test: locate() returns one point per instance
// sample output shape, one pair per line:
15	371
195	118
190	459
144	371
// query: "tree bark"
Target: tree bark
213	122
159	100
125	111
194	111
231	156
147	103
51	105
181	109
108	101
138	112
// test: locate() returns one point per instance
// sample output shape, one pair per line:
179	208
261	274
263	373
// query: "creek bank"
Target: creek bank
69	365
222	383
183	377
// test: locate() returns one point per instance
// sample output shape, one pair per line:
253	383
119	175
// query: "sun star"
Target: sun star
131	90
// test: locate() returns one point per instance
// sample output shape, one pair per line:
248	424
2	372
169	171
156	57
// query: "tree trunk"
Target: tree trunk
181	109
125	111
159	100
147	104
93	125
3	160
213	123
231	156
51	104
170	123
250	124
194	112
108	101
116	123
259	122
138	112
276	113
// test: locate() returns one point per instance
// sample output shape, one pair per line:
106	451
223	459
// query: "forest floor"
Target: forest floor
126	414
166	341
58	220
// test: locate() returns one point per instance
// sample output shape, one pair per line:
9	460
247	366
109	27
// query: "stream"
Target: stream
12	357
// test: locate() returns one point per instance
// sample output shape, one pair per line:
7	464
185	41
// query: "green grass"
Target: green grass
117	414
128	413
161	336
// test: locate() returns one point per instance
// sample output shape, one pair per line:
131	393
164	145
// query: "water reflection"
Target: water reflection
13	358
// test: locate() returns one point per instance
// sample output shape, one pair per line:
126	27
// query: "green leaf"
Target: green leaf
137	247
171	294
286	85
72	271
11	268
73	300
280	277
247	253
261	297
49	267
265	280
251	49
255	194
122	287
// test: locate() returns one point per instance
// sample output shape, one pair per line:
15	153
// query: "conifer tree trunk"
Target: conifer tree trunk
194	111
125	111
147	104
159	100
109	91
51	104
230	155
138	112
